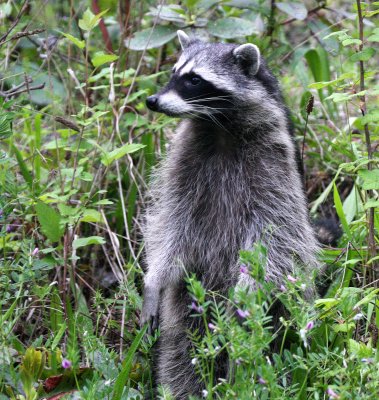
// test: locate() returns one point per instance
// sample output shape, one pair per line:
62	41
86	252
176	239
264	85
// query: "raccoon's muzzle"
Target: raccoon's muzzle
152	103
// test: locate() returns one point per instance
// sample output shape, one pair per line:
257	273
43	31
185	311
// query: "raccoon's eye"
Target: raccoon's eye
195	80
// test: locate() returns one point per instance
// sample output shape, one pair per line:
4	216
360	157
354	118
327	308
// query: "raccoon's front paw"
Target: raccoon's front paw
150	310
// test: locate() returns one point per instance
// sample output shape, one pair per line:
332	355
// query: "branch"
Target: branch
310	12
21	88
15	22
19	35
371	210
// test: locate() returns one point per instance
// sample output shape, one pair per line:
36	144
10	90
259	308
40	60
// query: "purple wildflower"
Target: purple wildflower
310	325
332	394
262	381
367	360
283	288
212	326
244	269
66	363
242	313
291	278
35	251
10	228
197	308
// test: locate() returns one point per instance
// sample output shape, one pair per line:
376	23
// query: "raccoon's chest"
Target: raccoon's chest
213	209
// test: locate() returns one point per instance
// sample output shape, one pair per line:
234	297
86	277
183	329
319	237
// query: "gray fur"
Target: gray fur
229	180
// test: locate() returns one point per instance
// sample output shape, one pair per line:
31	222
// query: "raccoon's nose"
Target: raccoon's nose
152	102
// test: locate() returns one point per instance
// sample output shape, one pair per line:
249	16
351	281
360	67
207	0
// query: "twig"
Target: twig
309	109
21	34
310	12
15	22
371	210
21	88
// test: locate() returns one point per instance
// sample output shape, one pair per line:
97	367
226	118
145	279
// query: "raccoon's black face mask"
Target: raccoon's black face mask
202	84
190	95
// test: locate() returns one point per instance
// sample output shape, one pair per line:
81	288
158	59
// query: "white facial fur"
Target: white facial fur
171	102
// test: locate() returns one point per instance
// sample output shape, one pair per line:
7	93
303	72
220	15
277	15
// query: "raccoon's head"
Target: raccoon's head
212	79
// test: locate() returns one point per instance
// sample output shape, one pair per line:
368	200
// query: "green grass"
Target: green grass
75	163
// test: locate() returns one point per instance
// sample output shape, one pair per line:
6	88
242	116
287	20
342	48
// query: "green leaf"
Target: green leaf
79	43
123	376
295	10
370	179
6	125
101	58
90	20
349	41
81	242
372	116
151	38
363	55
91	215
58	336
108	158
231	27
50	221
340	212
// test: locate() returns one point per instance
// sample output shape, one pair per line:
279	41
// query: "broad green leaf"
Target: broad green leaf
81	242
80	43
173	13
295	10
108	158
350	41
344	327
371	204
101	58
151	38
231	27
340	34
50	221
90	215
370	296
372	116
90	20
363	55
370	179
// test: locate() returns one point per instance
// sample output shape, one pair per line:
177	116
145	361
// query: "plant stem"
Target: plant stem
371	210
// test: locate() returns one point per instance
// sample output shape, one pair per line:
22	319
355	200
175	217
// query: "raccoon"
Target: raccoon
231	178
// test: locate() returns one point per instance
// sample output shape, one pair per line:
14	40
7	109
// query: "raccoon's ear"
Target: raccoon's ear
249	57
184	39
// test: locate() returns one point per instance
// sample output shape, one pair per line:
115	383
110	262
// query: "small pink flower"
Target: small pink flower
212	326
282	288
291	278
242	313
35	251
262	381
197	308
244	269
310	325
332	394
66	363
